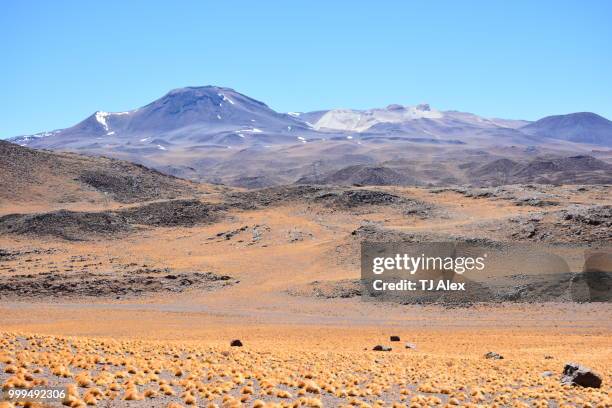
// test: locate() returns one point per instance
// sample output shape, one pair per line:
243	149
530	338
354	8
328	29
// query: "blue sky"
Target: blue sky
63	60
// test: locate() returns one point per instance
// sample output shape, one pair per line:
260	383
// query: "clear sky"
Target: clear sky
62	60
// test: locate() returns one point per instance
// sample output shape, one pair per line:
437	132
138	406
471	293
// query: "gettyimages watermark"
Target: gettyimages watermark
468	272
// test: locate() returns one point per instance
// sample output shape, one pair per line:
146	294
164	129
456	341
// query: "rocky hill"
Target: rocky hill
29	175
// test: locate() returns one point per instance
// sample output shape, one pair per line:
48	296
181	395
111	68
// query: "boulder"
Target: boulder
236	343
575	374
380	347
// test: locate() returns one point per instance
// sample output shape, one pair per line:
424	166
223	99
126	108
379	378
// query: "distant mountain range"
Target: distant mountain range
216	134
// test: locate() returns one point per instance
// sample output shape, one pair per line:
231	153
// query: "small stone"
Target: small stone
493	356
395	338
410	346
236	343
380	347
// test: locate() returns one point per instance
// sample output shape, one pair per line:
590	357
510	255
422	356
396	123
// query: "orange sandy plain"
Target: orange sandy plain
173	350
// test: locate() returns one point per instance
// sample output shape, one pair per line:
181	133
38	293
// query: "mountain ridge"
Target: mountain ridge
218	135
223	115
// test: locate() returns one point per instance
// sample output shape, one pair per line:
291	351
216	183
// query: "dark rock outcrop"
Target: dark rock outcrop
575	374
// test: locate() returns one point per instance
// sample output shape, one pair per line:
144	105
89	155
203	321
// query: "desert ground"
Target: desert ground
132	300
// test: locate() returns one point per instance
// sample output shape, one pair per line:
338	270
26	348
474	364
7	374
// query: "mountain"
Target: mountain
420	121
581	127
217	135
207	115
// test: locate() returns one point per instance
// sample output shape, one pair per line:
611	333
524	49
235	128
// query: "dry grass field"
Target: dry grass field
289	365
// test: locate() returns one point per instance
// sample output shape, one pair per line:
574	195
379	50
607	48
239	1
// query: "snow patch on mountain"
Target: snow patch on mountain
225	98
101	118
361	120
250	130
